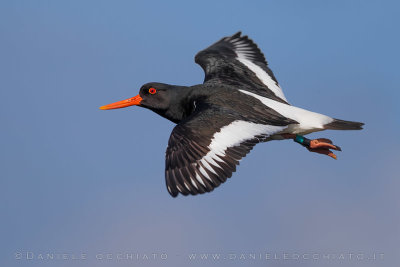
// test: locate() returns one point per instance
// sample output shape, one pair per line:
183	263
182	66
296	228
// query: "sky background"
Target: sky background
75	179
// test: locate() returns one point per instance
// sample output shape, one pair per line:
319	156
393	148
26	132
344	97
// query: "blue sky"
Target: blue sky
76	180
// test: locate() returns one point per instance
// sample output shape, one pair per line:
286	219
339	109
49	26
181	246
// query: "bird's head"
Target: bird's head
161	98
151	96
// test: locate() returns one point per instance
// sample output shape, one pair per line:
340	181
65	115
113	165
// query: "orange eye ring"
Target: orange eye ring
152	90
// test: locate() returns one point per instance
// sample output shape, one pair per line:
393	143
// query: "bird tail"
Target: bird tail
337	124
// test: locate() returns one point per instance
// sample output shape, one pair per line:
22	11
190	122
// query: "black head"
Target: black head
169	101
157	96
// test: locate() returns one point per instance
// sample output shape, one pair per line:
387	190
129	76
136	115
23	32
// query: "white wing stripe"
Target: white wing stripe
245	55
211	161
199	179
232	135
193	183
186	185
207	165
262	75
203	171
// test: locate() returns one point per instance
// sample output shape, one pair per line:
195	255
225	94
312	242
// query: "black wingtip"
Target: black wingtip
173	194
236	35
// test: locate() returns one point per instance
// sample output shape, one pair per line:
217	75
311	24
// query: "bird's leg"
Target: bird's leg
320	145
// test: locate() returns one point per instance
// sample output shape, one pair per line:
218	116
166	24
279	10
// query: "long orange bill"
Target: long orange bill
124	103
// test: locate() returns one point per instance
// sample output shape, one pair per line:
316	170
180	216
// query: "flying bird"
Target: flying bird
239	105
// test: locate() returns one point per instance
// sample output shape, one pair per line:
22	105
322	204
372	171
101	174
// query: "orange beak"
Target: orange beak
124	103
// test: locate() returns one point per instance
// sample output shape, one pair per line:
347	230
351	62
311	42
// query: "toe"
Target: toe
332	155
325	140
324	151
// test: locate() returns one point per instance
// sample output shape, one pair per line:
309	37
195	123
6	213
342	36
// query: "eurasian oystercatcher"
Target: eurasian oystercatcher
218	122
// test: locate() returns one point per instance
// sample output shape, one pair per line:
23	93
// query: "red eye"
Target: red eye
152	90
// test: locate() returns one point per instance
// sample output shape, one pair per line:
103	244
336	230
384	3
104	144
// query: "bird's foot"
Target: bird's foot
320	145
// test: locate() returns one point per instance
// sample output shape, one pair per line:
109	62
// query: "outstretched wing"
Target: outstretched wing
237	60
203	150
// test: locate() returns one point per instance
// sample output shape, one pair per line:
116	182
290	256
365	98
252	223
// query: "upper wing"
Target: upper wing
203	150
236	60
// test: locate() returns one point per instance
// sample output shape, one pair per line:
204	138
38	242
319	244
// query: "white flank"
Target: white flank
308	121
230	136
